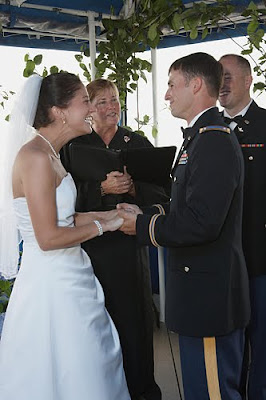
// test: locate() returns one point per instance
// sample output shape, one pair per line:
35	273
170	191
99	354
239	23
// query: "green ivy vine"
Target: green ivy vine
118	56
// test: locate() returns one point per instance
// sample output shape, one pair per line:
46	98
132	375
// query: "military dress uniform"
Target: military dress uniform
207	294
251	133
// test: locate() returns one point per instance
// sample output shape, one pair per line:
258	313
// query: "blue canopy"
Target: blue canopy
64	24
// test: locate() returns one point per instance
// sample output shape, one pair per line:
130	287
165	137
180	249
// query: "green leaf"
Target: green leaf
194	22
154	131
246	52
153	44
87	53
153	32
146	119
176	22
143	76
54	69
26	57
45	72
122	33
252	6
30	65
87	75
38	59
204	19
260	33
79	57
133	86
204	33
83	66
252	26
186	25
29	69
7	117
194	33
259	86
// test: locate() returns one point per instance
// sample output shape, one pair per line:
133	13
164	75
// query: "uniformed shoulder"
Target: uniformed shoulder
262	111
219	128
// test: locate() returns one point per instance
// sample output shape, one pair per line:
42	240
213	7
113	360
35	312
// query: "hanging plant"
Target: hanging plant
125	38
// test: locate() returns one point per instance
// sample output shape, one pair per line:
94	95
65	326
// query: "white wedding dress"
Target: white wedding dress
58	341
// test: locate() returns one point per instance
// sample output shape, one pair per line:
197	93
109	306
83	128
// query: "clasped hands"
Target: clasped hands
129	213
123	218
118	183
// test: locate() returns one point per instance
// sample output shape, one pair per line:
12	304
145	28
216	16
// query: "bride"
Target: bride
58	341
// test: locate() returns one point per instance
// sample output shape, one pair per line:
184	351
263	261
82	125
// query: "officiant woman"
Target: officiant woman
120	264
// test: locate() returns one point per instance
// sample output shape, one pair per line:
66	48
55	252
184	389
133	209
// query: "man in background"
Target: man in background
248	121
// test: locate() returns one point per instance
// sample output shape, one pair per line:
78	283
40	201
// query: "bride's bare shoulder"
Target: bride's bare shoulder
30	152
31	159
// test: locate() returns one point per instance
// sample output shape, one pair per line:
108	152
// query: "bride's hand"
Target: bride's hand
85	218
112	224
106	215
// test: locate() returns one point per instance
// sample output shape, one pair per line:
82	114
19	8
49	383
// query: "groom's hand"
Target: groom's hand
129	213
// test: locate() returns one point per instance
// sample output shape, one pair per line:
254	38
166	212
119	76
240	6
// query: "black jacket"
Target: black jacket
252	138
207	284
89	193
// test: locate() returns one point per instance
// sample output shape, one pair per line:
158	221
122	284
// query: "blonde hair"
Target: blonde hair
98	85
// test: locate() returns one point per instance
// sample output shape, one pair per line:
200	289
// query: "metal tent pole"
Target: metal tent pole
92	39
155	123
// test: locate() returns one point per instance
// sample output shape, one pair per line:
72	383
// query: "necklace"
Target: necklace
57	155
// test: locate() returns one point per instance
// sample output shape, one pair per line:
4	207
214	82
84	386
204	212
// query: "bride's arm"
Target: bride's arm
83	218
39	185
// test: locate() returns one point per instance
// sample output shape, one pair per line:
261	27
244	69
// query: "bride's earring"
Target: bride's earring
63	121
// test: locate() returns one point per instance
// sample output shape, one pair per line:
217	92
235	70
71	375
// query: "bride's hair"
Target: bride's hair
56	90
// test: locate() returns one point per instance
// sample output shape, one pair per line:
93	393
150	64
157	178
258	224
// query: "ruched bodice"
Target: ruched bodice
58	341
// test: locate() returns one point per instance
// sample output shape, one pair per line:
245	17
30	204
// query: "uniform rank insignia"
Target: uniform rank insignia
184	158
249	145
215	128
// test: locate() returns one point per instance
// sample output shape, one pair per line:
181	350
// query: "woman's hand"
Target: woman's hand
110	220
118	183
112	224
85	218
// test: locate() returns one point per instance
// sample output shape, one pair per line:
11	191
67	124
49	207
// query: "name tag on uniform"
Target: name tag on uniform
184	158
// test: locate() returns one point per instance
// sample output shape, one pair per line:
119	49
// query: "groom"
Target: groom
207	301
